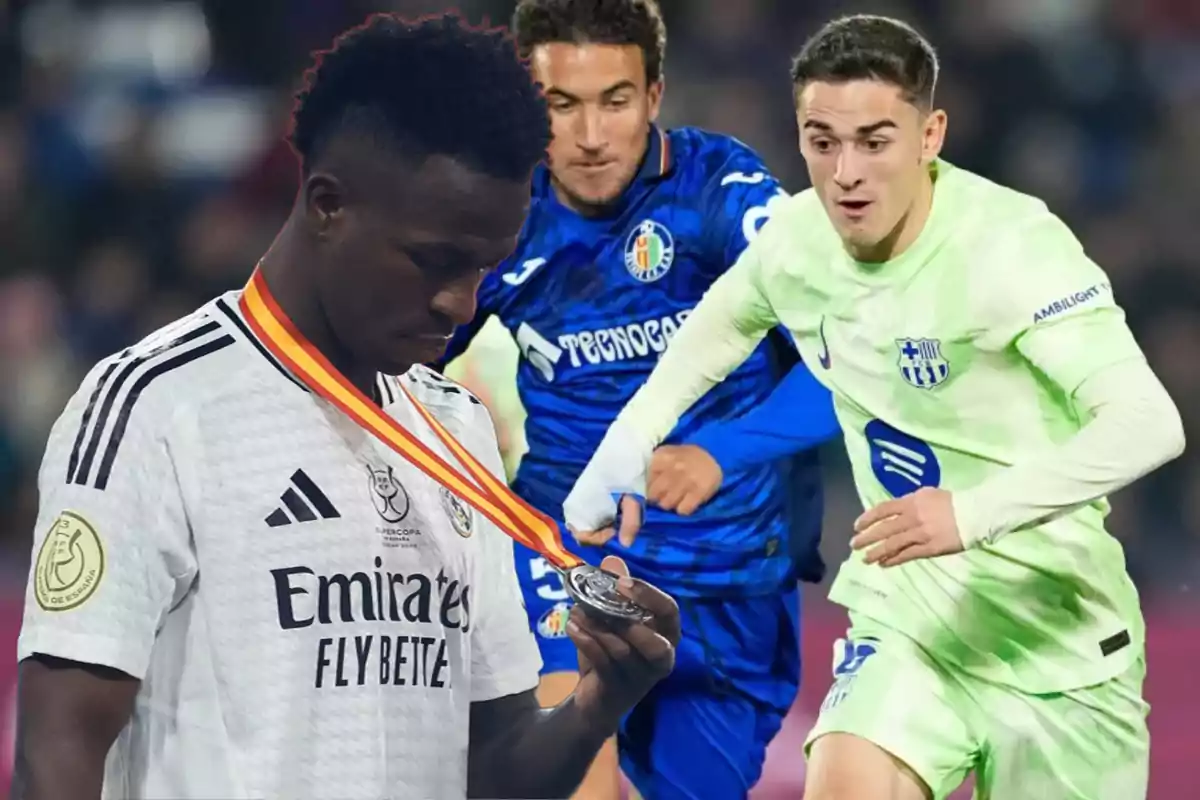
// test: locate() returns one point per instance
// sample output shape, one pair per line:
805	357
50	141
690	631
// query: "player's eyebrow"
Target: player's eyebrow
619	86
861	130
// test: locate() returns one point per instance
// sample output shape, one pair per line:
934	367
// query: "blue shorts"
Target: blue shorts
703	732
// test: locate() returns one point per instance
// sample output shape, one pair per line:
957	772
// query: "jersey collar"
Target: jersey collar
657	164
229	313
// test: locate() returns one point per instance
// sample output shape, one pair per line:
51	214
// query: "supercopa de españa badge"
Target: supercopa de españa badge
70	564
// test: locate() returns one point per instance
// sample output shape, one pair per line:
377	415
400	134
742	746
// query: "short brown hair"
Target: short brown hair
868	47
621	22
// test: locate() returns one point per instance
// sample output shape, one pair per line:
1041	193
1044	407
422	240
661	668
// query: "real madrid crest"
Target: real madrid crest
649	251
462	518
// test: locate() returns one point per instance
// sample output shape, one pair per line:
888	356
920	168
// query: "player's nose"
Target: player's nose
848	171
455	300
589	134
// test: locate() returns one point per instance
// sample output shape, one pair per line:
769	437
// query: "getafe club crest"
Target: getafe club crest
389	497
553	623
649	251
461	517
921	362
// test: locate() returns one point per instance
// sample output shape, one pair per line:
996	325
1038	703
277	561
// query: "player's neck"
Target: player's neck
906	232
287	276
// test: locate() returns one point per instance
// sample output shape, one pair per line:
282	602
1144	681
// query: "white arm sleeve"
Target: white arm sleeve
1135	428
112	550
720	333
724	328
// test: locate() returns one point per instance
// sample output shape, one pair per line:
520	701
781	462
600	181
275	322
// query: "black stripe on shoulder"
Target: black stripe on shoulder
439	382
237	320
80	462
386	393
73	463
176	361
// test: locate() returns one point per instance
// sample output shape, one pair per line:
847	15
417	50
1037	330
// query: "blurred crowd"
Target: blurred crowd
142	171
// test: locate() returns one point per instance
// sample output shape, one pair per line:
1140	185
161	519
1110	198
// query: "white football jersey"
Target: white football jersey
310	615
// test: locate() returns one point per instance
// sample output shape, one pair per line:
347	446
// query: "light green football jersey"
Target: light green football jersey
950	362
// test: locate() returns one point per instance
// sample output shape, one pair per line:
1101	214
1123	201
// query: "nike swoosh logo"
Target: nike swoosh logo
823	356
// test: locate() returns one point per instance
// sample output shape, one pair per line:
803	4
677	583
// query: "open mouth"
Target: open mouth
854	205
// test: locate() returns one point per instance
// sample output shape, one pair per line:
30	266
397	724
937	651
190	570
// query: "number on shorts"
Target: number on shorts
549	583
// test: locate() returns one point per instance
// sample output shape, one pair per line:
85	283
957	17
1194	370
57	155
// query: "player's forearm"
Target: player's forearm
797	416
68	716
1135	429
723	329
65	767
545	754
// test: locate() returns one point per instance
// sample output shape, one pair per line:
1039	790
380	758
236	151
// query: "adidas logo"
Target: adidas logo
294	500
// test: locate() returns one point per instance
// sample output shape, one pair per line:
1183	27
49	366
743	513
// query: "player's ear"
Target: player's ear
654	95
933	135
324	202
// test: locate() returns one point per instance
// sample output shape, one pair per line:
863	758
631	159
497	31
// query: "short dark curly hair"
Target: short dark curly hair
430	86
865	46
622	22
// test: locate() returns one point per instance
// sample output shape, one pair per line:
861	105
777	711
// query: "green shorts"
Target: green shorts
1083	744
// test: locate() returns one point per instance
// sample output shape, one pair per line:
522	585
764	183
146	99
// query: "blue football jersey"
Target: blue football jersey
593	302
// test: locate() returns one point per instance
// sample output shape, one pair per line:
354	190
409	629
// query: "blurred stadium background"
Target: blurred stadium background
142	171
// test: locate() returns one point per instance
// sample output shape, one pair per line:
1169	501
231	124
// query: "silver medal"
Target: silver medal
595	590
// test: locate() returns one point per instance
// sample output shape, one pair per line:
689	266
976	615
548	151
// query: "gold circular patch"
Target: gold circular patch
69	565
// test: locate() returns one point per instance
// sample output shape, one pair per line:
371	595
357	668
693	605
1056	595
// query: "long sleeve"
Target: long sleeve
797	416
725	327
1135	428
1085	349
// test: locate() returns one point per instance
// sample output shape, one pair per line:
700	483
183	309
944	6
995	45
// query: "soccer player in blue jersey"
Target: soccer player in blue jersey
628	227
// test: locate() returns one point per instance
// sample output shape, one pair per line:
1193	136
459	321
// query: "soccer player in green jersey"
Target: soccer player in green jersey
991	396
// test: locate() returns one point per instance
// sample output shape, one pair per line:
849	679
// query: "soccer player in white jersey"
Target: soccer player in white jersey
991	396
239	591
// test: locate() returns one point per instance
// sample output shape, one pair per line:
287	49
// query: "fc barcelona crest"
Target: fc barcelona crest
649	251
921	362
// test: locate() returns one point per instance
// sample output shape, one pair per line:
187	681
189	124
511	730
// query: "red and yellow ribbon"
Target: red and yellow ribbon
482	490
